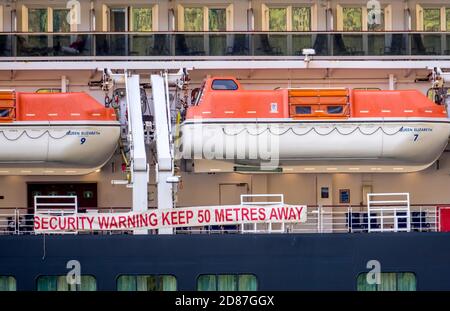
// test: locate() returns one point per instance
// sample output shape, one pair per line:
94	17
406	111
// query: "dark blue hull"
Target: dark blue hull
280	261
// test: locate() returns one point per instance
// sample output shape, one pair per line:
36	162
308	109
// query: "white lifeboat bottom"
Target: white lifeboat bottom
351	146
56	148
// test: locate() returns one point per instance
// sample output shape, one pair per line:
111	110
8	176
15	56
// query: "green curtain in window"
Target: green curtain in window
226	282
60	23
363	285
247	282
47	283
388	282
352	19
432	19
169	283
206	282
217	20
88	283
37	20
62	285
406	281
193	19
301	19
142	19
447	14
277	19
7	284
126	283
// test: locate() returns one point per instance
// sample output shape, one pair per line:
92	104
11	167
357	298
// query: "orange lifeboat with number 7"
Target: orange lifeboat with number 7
311	130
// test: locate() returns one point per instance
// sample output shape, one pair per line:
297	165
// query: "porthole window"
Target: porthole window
302	109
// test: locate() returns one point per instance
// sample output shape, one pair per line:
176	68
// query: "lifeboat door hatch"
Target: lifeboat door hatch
319	103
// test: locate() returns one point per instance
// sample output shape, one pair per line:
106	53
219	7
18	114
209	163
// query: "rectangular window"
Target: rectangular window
447	18
335	109
217	20
59	283
400	281
431	19
302	109
352	18
227	282
141	19
146	283
60	23
193	19
301	19
7	284
277	19
37	20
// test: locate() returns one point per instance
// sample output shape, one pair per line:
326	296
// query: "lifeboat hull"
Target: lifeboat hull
388	145
56	148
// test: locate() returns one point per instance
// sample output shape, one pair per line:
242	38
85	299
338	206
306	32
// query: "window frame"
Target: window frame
397	274
265	9
236	280
57	276
150	275
15	282
26	21
234	89
229	12
387	22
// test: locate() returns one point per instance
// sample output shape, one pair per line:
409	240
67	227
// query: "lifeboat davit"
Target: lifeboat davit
311	130
55	133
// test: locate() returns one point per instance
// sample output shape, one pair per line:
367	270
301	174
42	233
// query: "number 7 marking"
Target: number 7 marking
416	136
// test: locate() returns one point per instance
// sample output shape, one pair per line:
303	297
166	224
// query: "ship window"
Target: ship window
88	283
7	284
302	109
402	281
146	283
224	84
335	109
227	282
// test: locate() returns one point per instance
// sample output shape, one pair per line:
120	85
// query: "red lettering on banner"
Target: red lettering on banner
189	216
262	214
228	215
122	222
244	212
165	218
131	221
90	221
52	221
44	223
37	223
253	212
113	223
71	223
299	211
174	216
143	220
153	219
219	215
103	222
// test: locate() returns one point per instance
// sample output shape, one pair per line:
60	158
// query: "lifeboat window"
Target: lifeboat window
335	109
224	84
302	109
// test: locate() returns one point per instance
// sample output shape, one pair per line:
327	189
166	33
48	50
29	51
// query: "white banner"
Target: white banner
171	218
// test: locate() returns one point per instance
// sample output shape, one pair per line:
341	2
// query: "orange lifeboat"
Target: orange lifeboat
55	134
311	130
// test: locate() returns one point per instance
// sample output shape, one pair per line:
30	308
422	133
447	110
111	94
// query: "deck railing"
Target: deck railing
320	219
222	45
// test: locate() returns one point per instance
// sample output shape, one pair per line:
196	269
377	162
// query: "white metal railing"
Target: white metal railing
387	208
262	199
320	219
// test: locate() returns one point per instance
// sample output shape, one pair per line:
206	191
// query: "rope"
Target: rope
335	129
25	132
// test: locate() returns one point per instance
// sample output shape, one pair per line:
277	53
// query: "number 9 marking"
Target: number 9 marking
82	140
